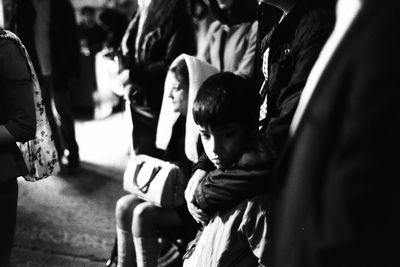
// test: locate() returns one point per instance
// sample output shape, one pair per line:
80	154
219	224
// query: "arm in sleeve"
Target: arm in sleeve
206	54
219	191
246	66
16	94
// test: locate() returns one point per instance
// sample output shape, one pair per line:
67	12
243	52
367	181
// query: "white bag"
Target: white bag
155	180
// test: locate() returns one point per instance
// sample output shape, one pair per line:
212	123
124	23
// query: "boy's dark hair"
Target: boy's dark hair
227	98
182	74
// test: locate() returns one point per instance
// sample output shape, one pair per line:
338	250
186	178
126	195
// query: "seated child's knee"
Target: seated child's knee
124	208
145	212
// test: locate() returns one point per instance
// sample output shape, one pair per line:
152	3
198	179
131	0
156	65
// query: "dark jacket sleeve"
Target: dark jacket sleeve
16	93
224	190
251	175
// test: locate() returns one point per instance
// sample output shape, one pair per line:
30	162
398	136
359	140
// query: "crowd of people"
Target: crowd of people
283	121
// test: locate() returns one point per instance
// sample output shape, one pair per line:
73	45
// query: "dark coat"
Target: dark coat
169	33
294	46
17	112
64	39
339	201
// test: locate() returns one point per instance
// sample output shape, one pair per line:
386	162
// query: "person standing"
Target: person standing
159	32
338	200
17	124
49	31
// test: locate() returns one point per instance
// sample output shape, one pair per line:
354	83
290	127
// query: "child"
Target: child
226	112
139	223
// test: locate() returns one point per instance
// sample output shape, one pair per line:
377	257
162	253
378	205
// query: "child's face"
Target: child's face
178	96
225	144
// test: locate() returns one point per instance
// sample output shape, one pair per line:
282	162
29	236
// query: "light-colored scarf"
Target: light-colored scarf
199	71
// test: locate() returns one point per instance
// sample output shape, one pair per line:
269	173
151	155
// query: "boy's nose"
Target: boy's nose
217	147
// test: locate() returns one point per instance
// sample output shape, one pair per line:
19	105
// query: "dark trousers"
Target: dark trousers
144	135
8	211
64	135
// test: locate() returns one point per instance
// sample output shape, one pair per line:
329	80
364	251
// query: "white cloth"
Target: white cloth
265	58
1	14
346	12
6	9
237	237
199	71
264	105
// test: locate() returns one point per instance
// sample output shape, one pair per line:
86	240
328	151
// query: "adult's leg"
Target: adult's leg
148	221
8	211
62	101
123	214
144	136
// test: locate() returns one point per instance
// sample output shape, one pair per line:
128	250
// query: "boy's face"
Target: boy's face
225	144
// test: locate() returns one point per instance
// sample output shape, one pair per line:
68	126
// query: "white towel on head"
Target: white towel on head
199	71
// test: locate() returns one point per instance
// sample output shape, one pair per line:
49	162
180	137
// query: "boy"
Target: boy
226	112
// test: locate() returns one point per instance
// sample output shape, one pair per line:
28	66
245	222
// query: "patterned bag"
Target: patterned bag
40	154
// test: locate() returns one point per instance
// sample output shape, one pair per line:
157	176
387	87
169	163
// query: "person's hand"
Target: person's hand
125	81
199	215
123	77
193	183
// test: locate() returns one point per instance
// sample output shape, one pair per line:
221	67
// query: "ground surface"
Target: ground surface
68	220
